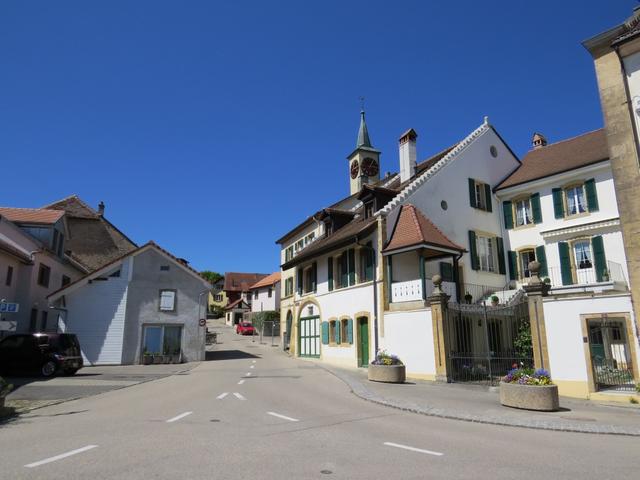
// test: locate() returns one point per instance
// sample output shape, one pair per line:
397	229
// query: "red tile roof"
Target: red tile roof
235	304
31	215
241	282
267	281
413	228
560	157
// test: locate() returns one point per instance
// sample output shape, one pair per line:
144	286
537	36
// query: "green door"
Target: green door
363	342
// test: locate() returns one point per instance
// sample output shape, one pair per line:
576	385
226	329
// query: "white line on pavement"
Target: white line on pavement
252	366
248	374
238	396
240	382
222	395
253	361
60	457
284	417
413	449
178	417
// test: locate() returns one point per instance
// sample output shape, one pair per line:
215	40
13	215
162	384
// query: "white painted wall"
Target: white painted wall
451	185
96	314
265	303
564	331
410	336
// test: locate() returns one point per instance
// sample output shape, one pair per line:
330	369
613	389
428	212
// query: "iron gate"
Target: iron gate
484	342
610	355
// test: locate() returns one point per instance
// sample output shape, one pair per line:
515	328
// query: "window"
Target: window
525	257
288	253
65	281
288	287
44	315
9	276
162	339
308	280
115	274
44	273
270	292
164	268
368	210
33	320
582	254
346	269
479	195
366	263
167	300
575	198
486	247
255	295
524	216
332	331
344	330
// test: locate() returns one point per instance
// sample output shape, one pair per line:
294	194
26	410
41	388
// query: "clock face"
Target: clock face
369	167
354	169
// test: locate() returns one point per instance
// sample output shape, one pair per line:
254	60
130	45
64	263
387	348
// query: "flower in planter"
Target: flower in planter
384	358
528	376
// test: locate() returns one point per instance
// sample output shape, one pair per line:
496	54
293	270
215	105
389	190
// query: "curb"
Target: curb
359	390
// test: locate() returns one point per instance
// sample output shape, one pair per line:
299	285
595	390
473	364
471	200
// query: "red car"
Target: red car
244	328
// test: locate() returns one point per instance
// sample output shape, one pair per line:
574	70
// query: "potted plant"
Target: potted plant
494	301
147	358
529	389
605	275
468	298
5	388
387	368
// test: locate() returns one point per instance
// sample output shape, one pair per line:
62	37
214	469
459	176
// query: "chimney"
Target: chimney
408	155
538	141
101	208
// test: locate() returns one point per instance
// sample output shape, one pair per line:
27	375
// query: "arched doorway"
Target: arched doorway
309	331
287	333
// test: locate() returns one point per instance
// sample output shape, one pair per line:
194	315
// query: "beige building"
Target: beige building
616	54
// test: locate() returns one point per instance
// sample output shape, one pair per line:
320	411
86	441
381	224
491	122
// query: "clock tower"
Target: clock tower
364	161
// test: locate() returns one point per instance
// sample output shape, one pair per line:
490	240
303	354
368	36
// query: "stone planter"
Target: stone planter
147	359
387	373
175	358
543	398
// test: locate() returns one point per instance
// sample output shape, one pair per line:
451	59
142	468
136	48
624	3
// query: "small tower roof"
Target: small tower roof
363	133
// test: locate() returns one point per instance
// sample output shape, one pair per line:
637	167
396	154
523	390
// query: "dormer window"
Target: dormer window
369	209
328	227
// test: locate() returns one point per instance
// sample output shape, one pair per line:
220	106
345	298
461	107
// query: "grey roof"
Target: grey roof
363	133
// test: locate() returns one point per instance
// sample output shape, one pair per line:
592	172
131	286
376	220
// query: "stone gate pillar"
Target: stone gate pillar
535	290
438	300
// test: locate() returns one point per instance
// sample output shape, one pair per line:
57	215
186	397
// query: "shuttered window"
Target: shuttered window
507	210
565	263
558	203
599	258
167	300
541	257
592	195
330	272
480	195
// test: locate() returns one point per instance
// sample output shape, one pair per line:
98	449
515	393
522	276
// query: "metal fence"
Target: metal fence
485	342
610	356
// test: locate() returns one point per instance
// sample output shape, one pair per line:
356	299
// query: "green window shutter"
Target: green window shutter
541	257
368	271
314	276
473	251
487	194
472	193
599	258
300	279
535	208
565	263
592	195
508	215
352	266
446	271
337	332
513	265
501	266
350	331
330	272
558	203
325	333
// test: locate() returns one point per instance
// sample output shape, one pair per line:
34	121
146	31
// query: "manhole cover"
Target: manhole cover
326	472
214	420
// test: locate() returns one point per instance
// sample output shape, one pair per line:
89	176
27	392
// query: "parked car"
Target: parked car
43	353
244	328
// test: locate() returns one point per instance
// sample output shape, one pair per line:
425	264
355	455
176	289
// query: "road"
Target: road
253	413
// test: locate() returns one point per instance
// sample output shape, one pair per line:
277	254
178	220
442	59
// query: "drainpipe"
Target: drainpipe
375	294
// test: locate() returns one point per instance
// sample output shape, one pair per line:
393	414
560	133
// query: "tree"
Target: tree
212	277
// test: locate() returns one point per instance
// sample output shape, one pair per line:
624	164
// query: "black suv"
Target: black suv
44	353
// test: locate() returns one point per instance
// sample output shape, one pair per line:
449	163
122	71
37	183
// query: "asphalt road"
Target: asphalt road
252	413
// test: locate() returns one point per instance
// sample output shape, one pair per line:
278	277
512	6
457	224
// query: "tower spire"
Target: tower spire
363	133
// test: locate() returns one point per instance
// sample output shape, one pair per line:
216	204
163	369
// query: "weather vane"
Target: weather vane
362	103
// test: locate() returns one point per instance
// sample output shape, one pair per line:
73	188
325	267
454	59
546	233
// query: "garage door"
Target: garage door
309	337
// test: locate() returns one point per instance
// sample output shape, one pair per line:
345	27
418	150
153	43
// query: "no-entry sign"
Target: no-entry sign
203	322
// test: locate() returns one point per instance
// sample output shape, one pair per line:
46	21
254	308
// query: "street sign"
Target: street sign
6	307
8	325
202	322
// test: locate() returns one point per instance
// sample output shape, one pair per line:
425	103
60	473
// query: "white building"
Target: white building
265	294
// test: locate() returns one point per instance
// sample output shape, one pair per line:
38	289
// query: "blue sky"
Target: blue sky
213	128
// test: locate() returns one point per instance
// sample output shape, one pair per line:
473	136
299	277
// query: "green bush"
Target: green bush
5	387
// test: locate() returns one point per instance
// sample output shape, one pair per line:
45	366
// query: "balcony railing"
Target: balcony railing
586	276
411	290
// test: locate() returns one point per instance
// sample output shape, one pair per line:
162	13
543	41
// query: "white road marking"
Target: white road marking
248	374
238	396
61	456
284	417
253	361
222	395
178	417
240	382
413	449
252	366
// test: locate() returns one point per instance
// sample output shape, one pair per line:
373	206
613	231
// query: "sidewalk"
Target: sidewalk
479	404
